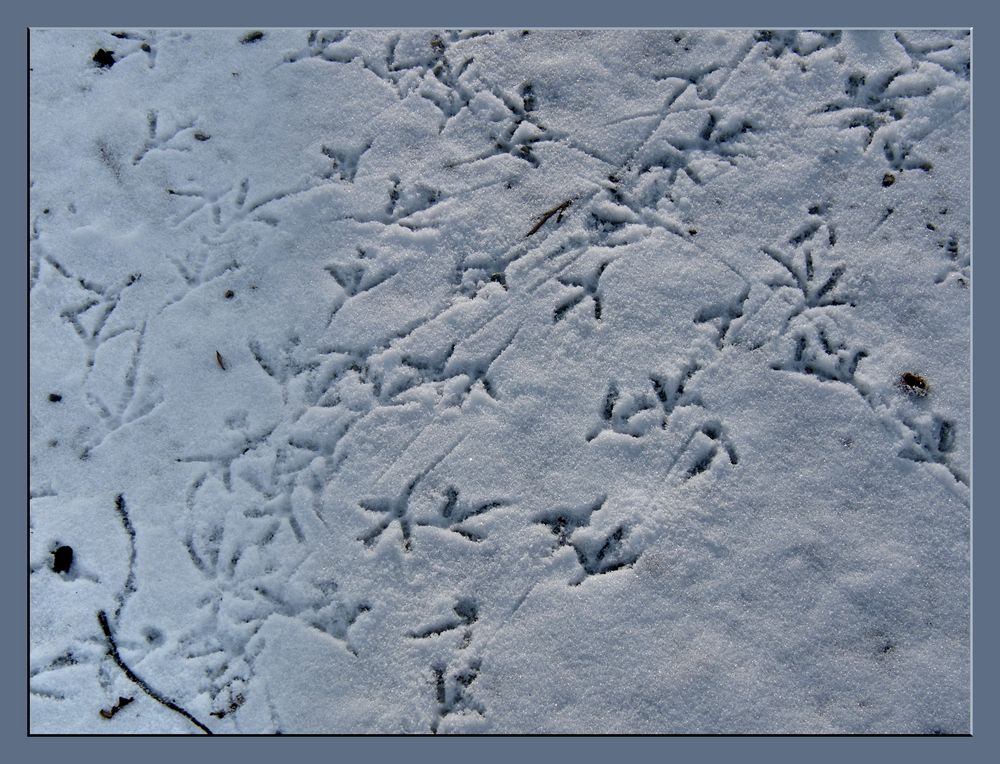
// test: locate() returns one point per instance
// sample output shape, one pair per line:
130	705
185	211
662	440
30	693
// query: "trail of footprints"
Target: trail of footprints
805	281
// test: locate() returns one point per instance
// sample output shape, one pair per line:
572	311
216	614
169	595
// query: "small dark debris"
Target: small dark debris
886	646
914	383
109	713
200	136
931	227
525	33
692	231
500	279
120	35
218	360
251	37
888	179
54	397
104	58
145	47
62	559
229	294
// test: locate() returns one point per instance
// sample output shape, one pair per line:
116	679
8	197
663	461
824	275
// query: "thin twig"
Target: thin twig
557	210
102	618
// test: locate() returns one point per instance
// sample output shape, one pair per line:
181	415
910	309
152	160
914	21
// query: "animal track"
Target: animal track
817	285
673	391
711	138
799	44
471	220
931	439
703	446
466	613
564	522
178	137
587	288
597	551
90	316
865	104
634	415
396	509
455	512
453	692
816	354
135	401
952	55
722	315
958	265
343	162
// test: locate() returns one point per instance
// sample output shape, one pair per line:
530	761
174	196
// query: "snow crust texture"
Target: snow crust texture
499	381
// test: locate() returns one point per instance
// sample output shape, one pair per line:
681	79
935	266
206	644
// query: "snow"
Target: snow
504	381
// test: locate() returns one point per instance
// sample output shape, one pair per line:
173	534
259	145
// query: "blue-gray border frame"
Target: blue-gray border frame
512	13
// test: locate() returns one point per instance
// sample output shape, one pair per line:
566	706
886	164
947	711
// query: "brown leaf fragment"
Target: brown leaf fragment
109	713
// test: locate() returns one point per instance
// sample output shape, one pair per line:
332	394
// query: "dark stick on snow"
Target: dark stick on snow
130	581
557	210
102	618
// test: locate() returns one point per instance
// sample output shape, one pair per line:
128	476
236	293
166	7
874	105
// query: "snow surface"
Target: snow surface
509	381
